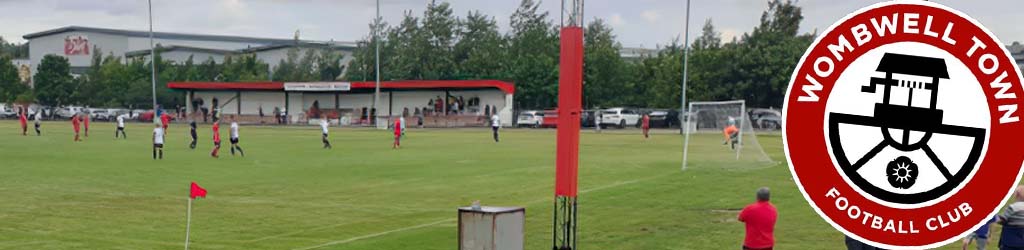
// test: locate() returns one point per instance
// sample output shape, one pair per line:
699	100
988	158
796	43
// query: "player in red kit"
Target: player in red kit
398	134
165	119
646	126
75	124
24	122
216	139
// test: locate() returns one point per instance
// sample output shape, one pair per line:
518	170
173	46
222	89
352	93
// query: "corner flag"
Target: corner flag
197	191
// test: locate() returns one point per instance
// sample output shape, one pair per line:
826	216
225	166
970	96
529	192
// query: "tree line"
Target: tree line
113	81
438	45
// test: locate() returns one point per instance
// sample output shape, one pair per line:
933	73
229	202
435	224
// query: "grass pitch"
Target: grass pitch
288	193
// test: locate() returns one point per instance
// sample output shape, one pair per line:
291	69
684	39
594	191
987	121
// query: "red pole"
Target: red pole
570	88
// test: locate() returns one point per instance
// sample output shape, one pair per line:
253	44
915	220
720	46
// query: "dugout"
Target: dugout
343	102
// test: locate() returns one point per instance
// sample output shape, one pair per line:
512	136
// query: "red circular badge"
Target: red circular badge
901	125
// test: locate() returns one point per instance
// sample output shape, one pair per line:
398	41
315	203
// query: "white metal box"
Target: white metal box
491	228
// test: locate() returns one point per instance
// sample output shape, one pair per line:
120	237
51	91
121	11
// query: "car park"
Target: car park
531	118
620	117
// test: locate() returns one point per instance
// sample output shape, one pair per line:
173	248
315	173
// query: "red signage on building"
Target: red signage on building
76	45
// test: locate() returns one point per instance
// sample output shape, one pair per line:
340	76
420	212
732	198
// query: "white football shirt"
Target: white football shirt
234	130
158	135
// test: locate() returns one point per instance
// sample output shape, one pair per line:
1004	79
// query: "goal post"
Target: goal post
705	133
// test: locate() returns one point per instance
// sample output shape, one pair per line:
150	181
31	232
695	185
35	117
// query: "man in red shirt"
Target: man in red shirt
646	125
398	134
216	139
24	122
760	222
75	125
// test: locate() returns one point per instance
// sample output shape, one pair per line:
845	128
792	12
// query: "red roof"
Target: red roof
506	87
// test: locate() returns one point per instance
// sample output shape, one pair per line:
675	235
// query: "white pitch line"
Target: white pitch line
617	184
375	235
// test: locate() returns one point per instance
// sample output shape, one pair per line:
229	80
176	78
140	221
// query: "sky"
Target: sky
637	23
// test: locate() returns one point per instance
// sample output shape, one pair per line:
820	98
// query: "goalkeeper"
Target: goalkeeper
731	134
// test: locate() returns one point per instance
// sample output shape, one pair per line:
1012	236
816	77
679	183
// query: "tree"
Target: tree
439	30
54	85
606	76
533	57
478	53
10	84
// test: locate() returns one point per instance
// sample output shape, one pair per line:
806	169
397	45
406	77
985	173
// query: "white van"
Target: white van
620	117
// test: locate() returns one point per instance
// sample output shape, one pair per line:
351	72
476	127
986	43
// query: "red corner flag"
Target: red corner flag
197	191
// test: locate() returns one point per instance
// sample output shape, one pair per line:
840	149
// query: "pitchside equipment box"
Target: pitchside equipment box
491	228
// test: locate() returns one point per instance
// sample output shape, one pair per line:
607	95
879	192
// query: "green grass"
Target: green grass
287	193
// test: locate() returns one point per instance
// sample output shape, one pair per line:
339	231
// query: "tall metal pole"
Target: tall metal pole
152	53
683	126
376	88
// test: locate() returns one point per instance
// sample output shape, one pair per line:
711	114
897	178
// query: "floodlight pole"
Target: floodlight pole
152	54
683	126
376	88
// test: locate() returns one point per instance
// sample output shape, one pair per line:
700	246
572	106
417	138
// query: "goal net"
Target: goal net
720	135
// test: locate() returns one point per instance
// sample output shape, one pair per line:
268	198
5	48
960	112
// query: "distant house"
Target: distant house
1017	50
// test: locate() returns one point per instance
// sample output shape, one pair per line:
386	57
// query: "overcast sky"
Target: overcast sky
638	23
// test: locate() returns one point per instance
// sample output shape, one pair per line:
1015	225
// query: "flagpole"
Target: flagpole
188	222
152	54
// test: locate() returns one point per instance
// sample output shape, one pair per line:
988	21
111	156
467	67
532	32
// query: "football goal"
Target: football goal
720	135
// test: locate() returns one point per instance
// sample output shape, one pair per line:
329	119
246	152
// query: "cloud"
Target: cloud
651	16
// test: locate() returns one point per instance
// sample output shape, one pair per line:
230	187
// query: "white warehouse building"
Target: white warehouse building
77	43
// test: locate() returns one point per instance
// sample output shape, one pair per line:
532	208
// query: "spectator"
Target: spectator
1013	220
260	110
759	218
980	236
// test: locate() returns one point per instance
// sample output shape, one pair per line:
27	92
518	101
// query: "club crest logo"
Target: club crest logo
902	125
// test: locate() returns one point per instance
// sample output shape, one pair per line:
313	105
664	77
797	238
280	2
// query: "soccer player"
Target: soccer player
165	119
731	134
120	127
402	121
24	121
324	125
192	131
216	139
158	141
646	126
234	137
39	121
495	124
75	123
398	134
85	119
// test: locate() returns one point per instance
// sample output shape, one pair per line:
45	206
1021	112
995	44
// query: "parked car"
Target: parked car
99	114
550	119
620	117
587	118
768	119
7	111
530	118
664	118
69	111
137	113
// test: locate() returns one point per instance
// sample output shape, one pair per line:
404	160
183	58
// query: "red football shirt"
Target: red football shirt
216	132
74	123
647	121
760	219
165	119
398	127
23	119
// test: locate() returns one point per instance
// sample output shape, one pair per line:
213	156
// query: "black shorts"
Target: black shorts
157	145
234	140
120	128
